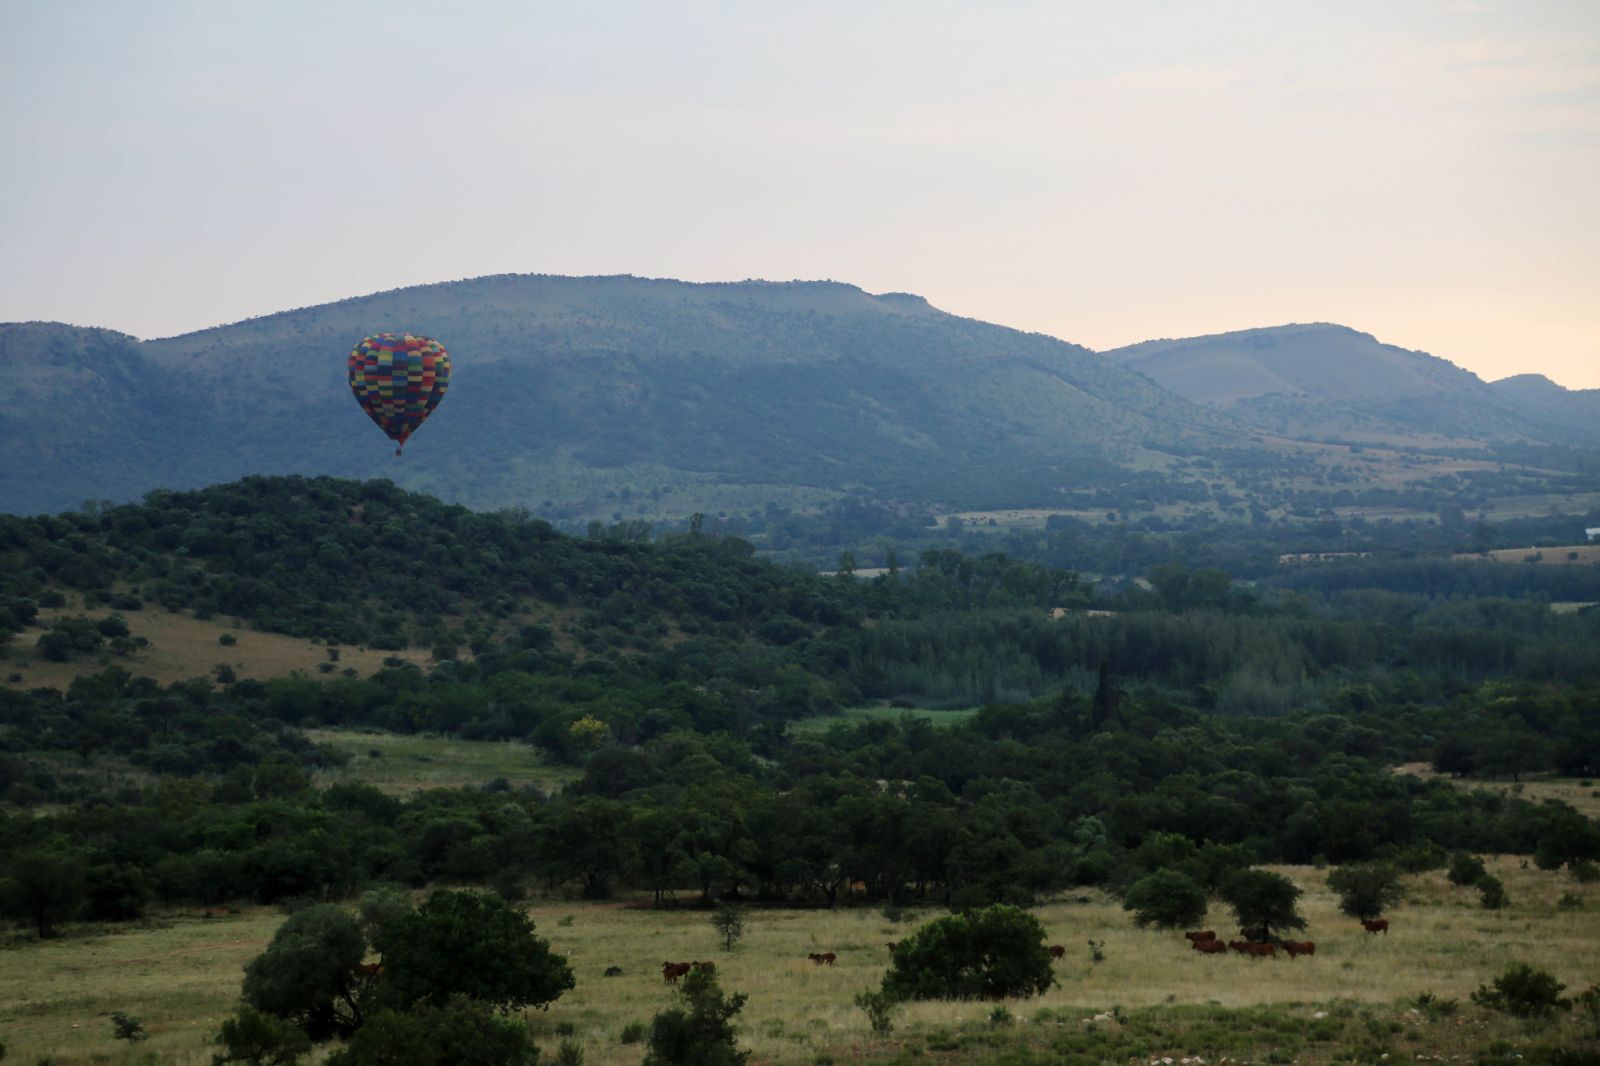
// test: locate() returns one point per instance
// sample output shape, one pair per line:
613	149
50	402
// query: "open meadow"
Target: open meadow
399	764
1155	998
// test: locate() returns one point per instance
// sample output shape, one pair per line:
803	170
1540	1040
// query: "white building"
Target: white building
1593	534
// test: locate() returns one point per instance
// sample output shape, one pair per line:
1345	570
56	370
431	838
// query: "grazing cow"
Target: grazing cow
1201	934
1210	947
369	969
671	971
705	967
892	945
1376	925
1258	934
827	958
1261	951
1057	951
1238	945
1299	947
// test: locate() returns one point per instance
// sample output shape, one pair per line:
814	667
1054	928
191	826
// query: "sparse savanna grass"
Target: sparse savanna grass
184	647
183	976
407	764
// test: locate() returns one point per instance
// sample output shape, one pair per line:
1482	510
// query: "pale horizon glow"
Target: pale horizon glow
1421	170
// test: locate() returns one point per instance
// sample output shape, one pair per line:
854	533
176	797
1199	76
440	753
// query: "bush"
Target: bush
700	1032
1366	891
227	640
1585	871
460	1032
998	951
879	1008
1465	869
259	1039
1523	991
126	1027
570	1053
1166	899
632	1033
467	944
1493	893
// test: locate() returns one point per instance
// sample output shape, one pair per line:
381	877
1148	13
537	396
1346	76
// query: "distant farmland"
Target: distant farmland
1571	554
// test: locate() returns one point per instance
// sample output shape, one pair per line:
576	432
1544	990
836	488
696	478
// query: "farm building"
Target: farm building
1592	534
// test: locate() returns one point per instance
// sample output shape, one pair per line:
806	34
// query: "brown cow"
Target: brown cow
1201	934
671	971
1299	947
1376	925
893	946
1210	947
1057	951
826	958
1241	946
1261	951
1259	933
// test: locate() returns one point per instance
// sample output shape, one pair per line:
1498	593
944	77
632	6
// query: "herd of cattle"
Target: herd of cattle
1257	943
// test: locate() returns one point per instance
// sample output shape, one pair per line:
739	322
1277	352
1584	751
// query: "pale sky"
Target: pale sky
1425	170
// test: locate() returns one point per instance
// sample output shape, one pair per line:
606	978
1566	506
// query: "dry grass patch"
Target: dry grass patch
184	647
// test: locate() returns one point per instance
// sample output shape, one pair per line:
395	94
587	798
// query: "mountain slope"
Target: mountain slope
1321	379
1574	411
655	384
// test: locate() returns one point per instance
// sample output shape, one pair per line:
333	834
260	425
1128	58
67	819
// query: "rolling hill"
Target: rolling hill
623	397
566	384
1331	381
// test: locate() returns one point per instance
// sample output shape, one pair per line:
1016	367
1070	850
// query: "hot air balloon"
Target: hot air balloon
398	379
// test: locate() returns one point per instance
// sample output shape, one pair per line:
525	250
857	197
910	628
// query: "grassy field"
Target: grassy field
406	764
1579	554
184	647
181	975
822	723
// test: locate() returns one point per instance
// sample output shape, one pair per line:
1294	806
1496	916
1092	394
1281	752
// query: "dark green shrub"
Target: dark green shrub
879	1008
461	1033
1524	991
1366	891
700	1032
126	1027
258	1039
1493	893
633	1033
1166	899
1465	869
998	951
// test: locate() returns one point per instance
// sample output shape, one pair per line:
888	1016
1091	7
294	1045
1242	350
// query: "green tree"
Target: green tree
307	974
1524	991
1166	899
1366	891
259	1039
1262	900
729	924
463	1032
1465	869
467	944
994	952
44	889
698	1032
1492	893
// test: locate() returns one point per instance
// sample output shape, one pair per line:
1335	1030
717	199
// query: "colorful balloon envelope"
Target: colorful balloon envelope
398	379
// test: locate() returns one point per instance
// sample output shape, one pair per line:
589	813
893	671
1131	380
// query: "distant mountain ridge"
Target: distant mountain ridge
622	396
814	385
1328	379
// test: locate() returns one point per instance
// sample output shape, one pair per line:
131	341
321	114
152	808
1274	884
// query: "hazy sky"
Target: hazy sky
1427	171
